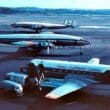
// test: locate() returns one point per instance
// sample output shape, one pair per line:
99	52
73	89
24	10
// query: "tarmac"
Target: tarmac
93	97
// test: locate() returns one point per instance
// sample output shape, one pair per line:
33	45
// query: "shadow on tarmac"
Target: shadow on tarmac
22	53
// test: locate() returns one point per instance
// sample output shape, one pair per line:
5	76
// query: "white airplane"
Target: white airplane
64	76
75	75
39	26
39	42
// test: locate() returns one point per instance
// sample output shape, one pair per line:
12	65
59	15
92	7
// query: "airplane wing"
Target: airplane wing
65	86
94	61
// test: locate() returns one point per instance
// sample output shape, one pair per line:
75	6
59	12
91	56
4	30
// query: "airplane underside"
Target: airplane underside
39	46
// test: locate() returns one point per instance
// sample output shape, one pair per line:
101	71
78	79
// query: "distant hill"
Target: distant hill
6	10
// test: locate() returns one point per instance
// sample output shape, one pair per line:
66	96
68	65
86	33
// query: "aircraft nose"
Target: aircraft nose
85	42
13	25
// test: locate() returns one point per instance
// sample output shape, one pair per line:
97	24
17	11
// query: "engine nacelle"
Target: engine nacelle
36	26
12	86
16	77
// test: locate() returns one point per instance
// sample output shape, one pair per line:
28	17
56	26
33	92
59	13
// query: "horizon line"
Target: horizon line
54	8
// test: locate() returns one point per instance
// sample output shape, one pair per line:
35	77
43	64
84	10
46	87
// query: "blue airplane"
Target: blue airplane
64	77
76	75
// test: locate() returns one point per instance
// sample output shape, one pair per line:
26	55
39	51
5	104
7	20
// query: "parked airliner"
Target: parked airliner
39	42
39	26
64	77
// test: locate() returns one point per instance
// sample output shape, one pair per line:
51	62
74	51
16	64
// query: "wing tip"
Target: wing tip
52	96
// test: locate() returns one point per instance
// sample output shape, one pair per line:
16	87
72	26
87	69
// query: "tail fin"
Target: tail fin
70	23
94	61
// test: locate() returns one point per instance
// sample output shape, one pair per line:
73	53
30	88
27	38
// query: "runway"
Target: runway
93	97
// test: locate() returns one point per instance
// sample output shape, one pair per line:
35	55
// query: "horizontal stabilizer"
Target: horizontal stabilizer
94	61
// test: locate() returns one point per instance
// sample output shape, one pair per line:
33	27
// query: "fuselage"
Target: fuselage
56	39
66	67
39	25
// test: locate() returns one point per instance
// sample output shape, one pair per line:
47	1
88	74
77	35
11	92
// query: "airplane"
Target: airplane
75	75
38	42
39	26
64	77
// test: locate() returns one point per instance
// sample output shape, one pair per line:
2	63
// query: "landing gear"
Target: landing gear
48	50
38	30
81	51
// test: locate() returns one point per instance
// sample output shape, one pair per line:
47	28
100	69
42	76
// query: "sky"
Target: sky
74	4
